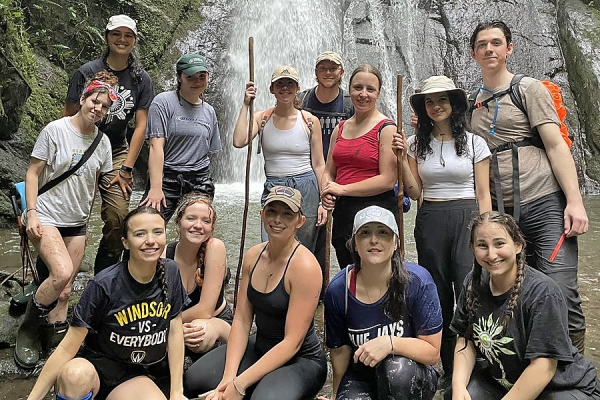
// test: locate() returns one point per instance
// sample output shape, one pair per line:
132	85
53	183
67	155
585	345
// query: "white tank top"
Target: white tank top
286	152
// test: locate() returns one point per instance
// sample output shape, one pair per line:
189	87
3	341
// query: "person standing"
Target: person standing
290	140
183	132
330	103
56	220
361	166
533	172
135	93
449	167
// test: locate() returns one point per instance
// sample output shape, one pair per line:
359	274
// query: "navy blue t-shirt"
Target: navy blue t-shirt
329	114
348	321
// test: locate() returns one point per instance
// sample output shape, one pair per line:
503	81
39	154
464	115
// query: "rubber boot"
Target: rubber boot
28	345
51	334
18	303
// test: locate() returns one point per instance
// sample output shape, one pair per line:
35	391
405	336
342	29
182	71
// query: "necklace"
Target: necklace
270	274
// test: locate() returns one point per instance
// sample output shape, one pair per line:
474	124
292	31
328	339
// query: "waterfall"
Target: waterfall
285	33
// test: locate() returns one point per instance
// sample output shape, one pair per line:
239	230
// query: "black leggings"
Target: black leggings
299	379
395	377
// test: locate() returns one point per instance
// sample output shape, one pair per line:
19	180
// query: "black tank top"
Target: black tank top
270	310
195	294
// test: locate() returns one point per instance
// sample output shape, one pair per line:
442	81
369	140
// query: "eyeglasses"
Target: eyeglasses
328	69
285	82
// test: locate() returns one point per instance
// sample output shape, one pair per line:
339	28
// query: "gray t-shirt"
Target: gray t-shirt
535	172
191	132
61	146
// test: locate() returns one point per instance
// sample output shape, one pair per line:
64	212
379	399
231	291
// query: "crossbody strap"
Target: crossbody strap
88	153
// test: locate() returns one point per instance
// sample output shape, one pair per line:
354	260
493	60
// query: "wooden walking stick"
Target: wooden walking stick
399	158
247	183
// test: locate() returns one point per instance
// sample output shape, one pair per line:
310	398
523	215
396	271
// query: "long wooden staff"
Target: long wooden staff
399	158
247	183
327	251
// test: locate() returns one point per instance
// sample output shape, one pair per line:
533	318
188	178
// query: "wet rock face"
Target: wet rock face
14	92
580	40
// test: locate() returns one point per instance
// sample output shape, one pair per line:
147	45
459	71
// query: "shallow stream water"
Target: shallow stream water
229	203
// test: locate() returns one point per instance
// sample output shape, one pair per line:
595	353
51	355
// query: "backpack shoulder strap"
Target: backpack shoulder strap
515	93
386	122
304	96
308	121
266	116
472	99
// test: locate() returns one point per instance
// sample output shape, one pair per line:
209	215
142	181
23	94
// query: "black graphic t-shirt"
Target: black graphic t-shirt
329	114
129	321
538	328
131	98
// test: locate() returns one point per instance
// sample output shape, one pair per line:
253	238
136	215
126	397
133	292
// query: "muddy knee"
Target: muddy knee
76	379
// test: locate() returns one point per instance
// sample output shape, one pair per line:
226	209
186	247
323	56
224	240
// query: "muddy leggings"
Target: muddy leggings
395	377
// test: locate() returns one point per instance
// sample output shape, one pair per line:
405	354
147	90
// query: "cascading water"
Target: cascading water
285	33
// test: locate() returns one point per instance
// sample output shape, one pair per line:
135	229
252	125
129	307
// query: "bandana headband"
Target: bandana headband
112	93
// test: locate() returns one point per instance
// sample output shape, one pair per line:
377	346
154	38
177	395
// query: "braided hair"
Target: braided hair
474	288
188	200
458	123
395	304
161	270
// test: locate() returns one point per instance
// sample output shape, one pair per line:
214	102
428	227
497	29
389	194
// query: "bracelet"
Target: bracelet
236	388
126	168
30	209
392	343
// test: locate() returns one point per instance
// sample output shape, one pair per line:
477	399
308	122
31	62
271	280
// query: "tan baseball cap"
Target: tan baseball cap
290	196
330	56
285	71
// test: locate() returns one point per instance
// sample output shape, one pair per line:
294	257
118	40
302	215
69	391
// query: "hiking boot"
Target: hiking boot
51	334
28	345
18	303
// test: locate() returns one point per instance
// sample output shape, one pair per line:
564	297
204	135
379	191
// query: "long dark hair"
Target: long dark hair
133	61
395	304
458	123
482	26
161	269
188	200
474	288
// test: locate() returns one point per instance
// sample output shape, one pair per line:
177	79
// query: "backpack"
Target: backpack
516	98
267	116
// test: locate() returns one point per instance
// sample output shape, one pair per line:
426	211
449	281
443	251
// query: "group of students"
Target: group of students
387	320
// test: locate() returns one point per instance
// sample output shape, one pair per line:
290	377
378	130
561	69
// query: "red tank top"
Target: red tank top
357	159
